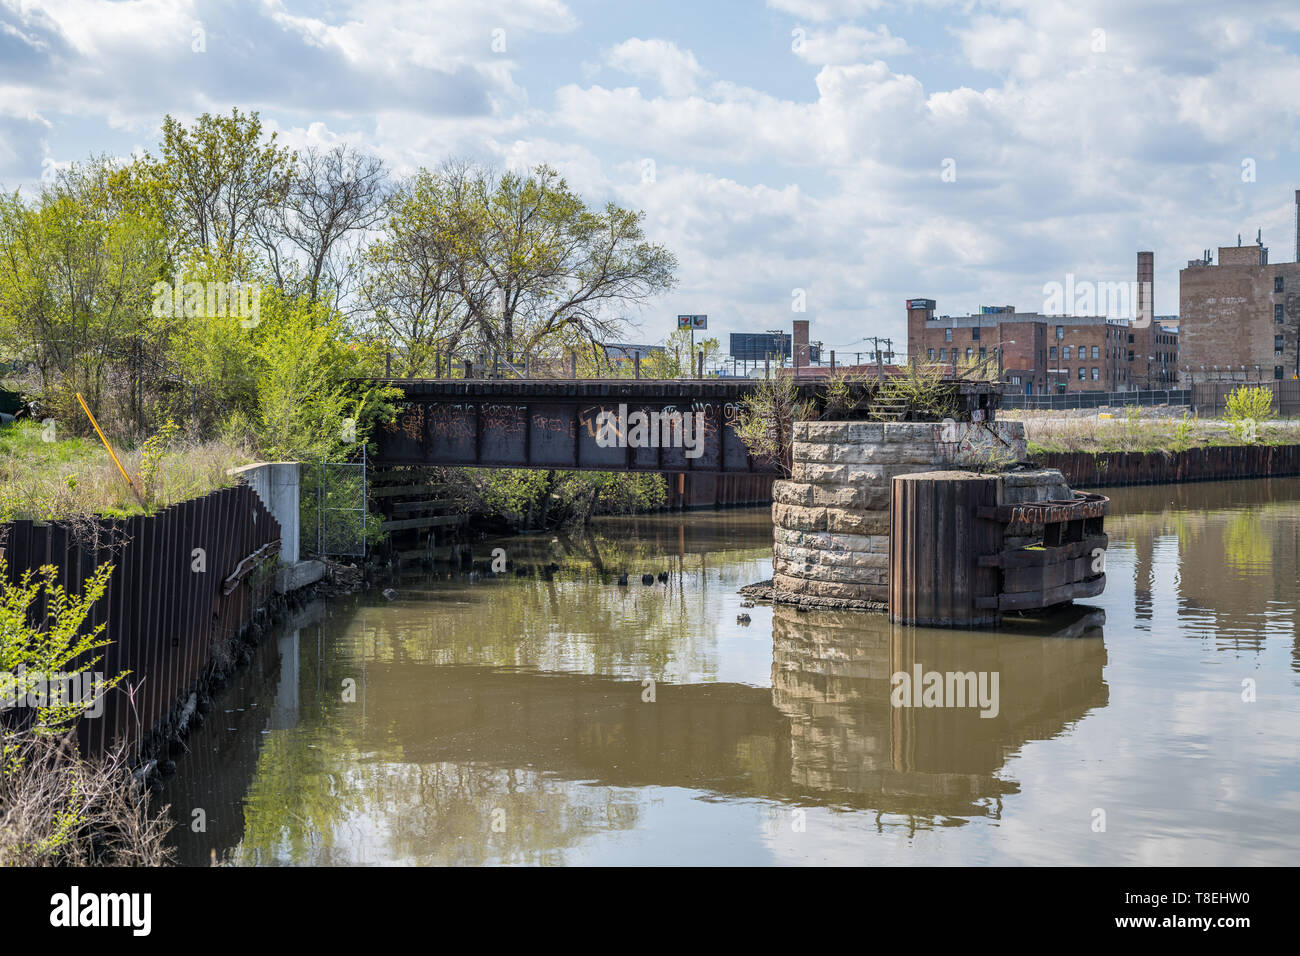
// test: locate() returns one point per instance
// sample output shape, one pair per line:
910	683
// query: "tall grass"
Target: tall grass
60	809
43	480
1133	432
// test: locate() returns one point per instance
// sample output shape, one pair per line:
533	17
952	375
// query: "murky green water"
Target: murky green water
507	719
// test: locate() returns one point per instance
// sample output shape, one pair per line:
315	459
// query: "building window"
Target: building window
1130	352
929	353
1083	373
975	334
1051	352
1278	285
1278	344
1015	379
984	352
1096	353
1060	331
1277	313
1130	339
969	353
1277	372
943	355
1095	376
1065	352
947	335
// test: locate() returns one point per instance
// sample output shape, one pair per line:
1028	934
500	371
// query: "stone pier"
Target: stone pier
831	517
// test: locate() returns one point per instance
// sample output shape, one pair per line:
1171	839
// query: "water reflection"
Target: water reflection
1229	552
831	677
505	720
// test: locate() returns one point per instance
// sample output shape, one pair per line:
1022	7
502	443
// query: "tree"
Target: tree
331	195
677	360
418	290
509	263
554	265
213	182
766	420
76	268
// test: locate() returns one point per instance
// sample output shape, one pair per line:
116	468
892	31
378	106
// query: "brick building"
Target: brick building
1238	319
1052	354
1036	354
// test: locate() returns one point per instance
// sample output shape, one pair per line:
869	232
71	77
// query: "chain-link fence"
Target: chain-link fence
332	508
1074	400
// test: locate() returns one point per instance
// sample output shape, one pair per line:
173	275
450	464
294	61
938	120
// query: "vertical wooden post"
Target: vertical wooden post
935	543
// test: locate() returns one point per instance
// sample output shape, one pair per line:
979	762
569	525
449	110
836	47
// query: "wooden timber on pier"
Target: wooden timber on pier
956	554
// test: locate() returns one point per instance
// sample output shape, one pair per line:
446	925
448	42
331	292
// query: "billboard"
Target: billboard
756	346
692	322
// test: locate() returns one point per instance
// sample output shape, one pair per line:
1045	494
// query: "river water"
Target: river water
568	720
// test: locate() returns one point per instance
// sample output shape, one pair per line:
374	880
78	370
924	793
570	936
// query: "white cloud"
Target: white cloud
676	71
848	44
826	9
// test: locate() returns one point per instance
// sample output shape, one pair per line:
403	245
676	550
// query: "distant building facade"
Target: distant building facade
1239	319
1039	354
1035	354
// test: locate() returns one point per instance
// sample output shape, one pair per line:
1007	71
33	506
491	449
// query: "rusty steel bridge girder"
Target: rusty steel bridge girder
552	423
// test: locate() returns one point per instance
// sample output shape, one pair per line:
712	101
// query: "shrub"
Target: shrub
1246	408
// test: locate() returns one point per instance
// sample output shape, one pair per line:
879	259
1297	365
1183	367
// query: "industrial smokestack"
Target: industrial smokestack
1297	225
1146	308
802	357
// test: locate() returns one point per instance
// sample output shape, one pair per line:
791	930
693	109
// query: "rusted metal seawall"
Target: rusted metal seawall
186	581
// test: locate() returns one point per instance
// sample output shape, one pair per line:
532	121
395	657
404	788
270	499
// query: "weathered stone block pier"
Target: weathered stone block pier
831	517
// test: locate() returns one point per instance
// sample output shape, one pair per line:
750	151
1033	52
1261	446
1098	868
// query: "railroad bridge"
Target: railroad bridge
555	423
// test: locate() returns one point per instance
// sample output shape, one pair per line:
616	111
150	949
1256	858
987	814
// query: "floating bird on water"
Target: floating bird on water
742	619
647	579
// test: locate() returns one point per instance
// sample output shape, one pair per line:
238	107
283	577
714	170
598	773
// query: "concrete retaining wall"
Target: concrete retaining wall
277	484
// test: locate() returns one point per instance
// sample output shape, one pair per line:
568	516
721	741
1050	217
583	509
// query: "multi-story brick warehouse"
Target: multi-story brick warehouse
1238	319
1051	354
1037	354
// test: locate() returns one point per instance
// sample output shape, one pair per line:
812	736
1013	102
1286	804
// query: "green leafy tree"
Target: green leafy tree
212	182
76	267
677	360
509	264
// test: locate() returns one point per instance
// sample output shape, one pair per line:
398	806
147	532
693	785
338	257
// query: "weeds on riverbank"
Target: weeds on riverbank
1133	432
42	479
58	808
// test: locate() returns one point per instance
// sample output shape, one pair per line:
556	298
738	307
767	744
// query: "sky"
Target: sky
845	155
